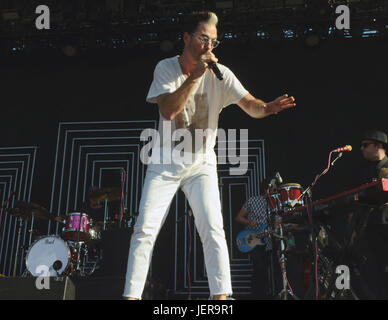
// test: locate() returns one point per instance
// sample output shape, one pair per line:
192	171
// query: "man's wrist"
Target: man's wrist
263	108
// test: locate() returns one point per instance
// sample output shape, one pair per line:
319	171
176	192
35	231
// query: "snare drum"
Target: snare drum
290	192
50	255
77	222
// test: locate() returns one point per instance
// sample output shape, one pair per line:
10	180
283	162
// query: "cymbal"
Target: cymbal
25	211
60	219
110	194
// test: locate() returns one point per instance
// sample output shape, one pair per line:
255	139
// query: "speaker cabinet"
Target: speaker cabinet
16	288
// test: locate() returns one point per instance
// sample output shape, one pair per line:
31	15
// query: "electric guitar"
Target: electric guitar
248	239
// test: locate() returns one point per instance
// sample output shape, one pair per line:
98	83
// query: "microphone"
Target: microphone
216	71
346	148
278	178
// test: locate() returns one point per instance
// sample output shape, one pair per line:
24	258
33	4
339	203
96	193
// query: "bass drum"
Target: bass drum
51	256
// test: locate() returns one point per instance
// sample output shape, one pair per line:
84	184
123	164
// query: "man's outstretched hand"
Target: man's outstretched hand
280	104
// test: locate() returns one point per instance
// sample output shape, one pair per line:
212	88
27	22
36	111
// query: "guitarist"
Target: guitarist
253	215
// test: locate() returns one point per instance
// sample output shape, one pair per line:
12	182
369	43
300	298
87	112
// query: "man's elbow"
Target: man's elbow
168	115
166	112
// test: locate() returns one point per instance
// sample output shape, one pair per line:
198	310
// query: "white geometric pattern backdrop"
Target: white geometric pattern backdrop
17	166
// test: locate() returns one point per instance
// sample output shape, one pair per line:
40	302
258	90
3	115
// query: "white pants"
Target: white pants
200	185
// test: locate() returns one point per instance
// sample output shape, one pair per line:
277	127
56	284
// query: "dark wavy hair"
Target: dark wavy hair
264	186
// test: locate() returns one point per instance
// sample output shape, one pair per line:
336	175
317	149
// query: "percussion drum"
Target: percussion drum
290	192
51	255
77	222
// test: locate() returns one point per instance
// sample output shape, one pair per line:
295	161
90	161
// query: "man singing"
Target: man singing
190	98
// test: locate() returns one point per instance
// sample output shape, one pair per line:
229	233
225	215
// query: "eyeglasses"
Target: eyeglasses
205	40
366	144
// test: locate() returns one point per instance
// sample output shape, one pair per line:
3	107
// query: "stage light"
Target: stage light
289	34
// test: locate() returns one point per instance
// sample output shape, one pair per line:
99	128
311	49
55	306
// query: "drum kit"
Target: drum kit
78	251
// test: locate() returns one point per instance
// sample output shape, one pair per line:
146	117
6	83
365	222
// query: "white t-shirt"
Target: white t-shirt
200	113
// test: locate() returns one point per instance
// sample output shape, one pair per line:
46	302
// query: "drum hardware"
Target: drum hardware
80	249
274	202
285	292
106	217
82	255
17	246
84	223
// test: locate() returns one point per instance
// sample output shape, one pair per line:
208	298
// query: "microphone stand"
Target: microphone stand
283	265
17	246
78	246
272	234
308	190
284	293
269	235
310	212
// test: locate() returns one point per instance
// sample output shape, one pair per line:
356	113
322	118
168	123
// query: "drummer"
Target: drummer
95	206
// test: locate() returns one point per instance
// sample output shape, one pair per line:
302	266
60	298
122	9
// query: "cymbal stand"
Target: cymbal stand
270	233
78	245
17	246
32	229
105	213
283	294
24	248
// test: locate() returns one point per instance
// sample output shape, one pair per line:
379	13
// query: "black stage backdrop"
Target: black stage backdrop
340	89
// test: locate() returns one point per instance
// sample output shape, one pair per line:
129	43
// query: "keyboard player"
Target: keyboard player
373	148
